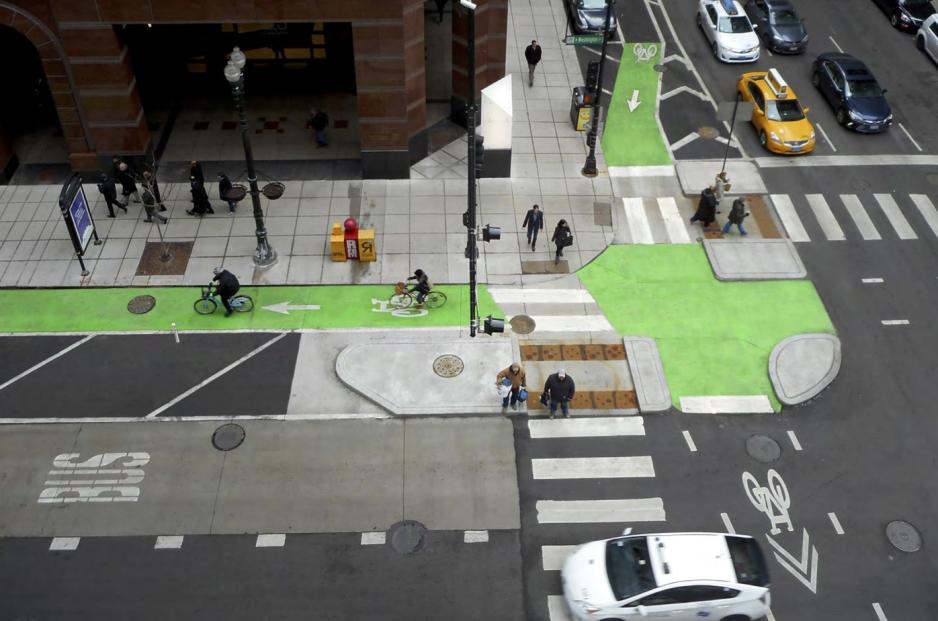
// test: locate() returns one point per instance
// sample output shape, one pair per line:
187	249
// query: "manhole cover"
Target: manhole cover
661	68
228	437
448	365
408	536
904	536
932	178
522	324
763	449
141	304
708	132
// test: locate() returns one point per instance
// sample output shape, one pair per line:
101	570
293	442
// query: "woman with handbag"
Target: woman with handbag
514	374
562	237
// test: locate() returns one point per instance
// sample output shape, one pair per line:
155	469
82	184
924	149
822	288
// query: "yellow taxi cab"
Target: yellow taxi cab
777	116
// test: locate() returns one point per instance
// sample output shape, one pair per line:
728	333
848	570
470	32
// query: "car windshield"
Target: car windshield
735	25
593	4
629	567
783	110
915	2
784	17
748	561
864	89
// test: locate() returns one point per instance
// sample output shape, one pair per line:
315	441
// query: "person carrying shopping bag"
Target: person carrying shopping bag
516	378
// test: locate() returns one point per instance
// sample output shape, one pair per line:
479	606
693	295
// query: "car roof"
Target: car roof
847	62
684	557
760	80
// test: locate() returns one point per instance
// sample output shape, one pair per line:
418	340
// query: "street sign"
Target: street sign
583	39
77	215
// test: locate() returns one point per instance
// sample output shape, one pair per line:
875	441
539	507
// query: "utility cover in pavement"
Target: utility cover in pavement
522	324
708	132
904	536
448	365
545	267
228	437
141	304
763	449
408	536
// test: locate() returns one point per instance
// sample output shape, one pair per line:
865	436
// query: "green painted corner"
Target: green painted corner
714	337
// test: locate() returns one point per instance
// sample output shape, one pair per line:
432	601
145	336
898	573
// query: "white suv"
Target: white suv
728	30
927	37
681	576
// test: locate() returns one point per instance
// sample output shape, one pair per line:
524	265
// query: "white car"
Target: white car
927	37
678	576
729	31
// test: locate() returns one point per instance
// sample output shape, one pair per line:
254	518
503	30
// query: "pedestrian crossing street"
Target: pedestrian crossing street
582	496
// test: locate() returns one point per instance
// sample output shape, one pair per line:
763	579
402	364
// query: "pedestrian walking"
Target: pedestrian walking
515	375
720	186
440	5
149	182
128	184
533	55
318	121
706	208
152	207
224	185
108	190
736	216
559	390
563	238
195	171
534	222
200	202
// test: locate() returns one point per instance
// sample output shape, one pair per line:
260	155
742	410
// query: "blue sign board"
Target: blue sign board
80	216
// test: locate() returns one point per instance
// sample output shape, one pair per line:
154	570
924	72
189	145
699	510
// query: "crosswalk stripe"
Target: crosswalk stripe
586	427
600	511
860	217
557	608
571	323
168	542
541	296
790	220
637	222
888	204
593	467
673	221
552	557
927	209
825	217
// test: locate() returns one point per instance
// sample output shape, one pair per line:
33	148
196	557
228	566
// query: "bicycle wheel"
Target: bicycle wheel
205	306
435	299
400	300
245	303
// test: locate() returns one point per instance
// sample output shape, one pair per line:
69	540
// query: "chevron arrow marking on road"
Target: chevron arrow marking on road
284	308
799	569
633	101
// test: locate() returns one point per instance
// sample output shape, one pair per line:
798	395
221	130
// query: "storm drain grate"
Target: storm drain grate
763	449
448	365
408	537
141	304
904	536
228	437
708	132
522	324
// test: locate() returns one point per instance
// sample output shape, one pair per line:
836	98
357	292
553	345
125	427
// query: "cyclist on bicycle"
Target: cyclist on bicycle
228	286
422	286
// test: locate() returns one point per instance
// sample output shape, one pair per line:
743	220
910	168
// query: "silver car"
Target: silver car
926	39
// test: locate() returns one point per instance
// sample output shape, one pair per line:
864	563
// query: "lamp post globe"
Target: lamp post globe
232	73
237	58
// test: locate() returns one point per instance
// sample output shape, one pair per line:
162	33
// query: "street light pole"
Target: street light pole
264	256
589	168
470	218
726	151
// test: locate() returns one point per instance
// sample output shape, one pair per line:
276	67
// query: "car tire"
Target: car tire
816	79
894	20
763	140
699	22
920	43
736	618
716	50
841	116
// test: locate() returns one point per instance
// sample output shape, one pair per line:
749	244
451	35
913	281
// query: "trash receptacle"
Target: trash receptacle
581	107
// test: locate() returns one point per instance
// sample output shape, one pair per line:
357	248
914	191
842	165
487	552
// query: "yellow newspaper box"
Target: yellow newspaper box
366	245
337	243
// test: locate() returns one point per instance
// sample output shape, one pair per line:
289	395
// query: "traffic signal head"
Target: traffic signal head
493	326
480	153
490	233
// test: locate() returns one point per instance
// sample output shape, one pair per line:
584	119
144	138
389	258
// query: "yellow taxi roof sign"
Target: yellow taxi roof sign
778	85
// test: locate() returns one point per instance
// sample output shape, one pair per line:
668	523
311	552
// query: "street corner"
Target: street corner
803	365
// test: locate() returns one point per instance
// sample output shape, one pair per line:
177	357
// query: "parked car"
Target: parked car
926	39
853	92
678	576
777	116
728	30
589	16
778	25
907	15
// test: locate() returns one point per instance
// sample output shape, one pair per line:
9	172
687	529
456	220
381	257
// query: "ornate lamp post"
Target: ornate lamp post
589	168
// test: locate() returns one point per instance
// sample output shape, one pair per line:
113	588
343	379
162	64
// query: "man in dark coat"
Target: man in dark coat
149	182
195	171
318	121
534	222
228	285
109	191
736	216
532	54
560	390
706	208
200	202
125	177
224	184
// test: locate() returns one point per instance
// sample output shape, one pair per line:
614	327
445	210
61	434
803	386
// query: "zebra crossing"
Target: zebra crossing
554	311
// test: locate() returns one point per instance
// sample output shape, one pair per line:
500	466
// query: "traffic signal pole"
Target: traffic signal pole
589	168
470	219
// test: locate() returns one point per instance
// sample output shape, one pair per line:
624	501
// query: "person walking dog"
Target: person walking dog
514	374
736	216
559	390
532	54
534	222
563	238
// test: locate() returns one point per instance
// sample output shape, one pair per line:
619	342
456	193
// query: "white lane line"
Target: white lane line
827	138
192	419
860	217
927	209
837	527
744	404
673	221
895	322
215	376
374	538
607	91
272	540
475	536
794	440
879	612
586	427
825	217
872	281
675	57
557	608
680	47
64	544
839	49
571	323
168	542
790	220
599	53
637	221
600	511
723	140
909	136
541	296
553	557
816	161
51	358
727	524
592	467
690	442
888	204
686	140
683	89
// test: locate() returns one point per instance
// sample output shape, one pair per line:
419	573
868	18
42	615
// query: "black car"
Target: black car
588	16
906	15
778	25
852	91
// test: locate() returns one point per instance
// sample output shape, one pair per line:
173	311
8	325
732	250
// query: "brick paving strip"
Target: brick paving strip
584	399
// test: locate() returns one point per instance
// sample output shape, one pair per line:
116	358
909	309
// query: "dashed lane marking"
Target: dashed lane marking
827	138
909	136
879	612
690	442
895	322
593	467
839	49
837	527
794	440
727	524
168	542
475	536
51	358
64	543
272	540
374	538
872	281
600	511
586	427
553	557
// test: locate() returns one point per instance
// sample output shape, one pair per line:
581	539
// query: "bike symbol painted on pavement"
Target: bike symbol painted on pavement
107	477
385	307
644	53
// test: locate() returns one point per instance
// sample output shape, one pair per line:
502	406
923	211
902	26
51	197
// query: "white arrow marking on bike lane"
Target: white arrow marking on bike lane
633	101
799	569
284	308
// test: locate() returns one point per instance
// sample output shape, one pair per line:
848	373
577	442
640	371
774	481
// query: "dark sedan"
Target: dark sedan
906	15
778	25
853	92
588	16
